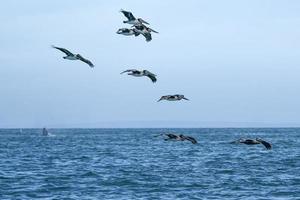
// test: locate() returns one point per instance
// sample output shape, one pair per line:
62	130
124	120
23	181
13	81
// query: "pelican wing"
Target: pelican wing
191	139
171	136
185	98
129	70
143	21
266	144
148	36
150	75
150	29
161	98
165	97
85	60
68	53
128	15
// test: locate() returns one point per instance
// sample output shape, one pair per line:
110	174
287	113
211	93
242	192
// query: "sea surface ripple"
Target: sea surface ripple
134	164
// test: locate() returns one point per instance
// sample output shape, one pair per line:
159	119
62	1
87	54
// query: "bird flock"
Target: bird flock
138	27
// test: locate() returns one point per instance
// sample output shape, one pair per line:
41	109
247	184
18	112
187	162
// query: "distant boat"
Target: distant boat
45	132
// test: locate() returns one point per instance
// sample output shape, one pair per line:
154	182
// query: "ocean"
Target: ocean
135	164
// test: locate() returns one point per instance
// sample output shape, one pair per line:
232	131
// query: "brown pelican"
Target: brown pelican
128	32
176	97
180	137
254	142
140	73
145	31
131	19
71	56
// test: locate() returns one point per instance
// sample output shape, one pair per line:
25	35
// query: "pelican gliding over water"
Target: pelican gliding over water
131	19
254	142
71	56
171	136
176	97
140	73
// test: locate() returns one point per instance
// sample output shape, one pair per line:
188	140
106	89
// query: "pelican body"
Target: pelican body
176	97
140	73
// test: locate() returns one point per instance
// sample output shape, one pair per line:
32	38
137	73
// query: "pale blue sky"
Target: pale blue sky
238	62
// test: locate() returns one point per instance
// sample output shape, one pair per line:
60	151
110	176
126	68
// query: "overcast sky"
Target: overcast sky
237	61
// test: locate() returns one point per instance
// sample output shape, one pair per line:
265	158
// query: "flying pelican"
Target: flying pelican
128	32
131	19
71	56
145	31
171	136
140	73
254	142
176	97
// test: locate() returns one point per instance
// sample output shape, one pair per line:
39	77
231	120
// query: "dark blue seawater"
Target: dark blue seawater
133	164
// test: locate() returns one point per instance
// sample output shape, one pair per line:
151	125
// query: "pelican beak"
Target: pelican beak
159	100
185	98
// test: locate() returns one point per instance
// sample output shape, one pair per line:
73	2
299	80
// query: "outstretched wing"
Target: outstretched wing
191	139
171	136
150	29
150	75
68	53
148	36
85	60
266	144
128	15
129	70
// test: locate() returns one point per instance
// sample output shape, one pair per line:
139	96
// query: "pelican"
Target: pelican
254	142
140	73
71	56
128	32
131	19
144	30
176	97
171	136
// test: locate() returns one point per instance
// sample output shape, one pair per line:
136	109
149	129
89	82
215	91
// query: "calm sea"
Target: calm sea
134	164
